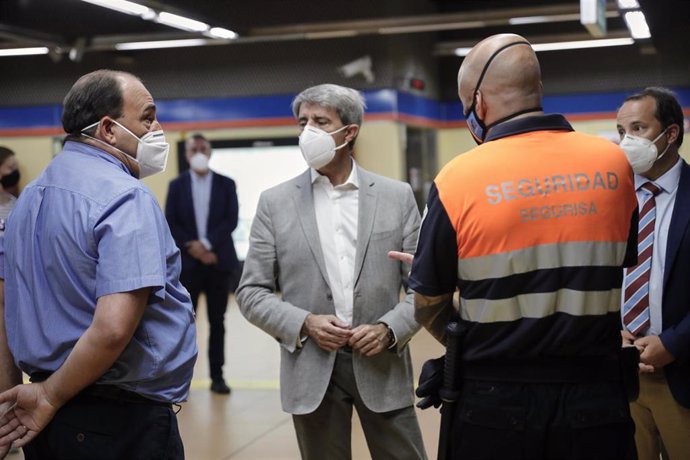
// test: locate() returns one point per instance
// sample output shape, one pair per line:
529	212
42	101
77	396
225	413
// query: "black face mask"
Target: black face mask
476	125
10	180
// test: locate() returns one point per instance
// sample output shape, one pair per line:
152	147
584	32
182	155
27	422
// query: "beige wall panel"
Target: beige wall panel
451	143
33	155
380	149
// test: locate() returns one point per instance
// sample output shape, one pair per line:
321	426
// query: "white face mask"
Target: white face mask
318	147
199	162
641	152
152	150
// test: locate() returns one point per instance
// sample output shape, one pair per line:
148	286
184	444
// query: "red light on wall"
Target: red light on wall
417	83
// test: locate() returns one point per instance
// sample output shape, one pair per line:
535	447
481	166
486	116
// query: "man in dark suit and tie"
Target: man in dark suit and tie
656	298
202	211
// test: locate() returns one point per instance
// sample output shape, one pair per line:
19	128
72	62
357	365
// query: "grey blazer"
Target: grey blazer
285	246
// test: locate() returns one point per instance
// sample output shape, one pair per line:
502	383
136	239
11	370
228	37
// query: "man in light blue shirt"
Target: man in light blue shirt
93	308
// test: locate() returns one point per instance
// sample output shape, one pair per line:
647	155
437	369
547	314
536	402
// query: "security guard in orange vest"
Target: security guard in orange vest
533	228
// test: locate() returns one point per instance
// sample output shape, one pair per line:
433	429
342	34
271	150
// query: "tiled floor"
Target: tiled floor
249	424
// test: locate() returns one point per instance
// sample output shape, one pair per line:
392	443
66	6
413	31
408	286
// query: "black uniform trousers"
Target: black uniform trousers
216	285
498	420
92	427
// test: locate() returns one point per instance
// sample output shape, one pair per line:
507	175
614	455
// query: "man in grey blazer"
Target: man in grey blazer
340	321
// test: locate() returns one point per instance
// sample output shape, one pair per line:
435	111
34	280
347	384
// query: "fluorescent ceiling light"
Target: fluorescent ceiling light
462	52
180	22
543	19
160	44
123	6
24	51
219	32
637	24
528	20
580	44
628	4
567	45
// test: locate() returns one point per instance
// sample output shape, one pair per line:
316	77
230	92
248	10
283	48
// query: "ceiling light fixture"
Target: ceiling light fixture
24	51
181	22
165	18
581	44
637	24
161	44
557	46
628	4
123	6
223	34
543	19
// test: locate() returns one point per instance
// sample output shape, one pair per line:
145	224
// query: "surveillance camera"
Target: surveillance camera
358	66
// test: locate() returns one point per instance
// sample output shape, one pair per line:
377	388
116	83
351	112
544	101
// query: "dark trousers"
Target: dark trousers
516	421
216	285
95	428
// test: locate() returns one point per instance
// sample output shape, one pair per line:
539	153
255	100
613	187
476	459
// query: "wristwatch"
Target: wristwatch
391	336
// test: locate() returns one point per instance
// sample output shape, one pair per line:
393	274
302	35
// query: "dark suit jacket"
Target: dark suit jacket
676	297
222	219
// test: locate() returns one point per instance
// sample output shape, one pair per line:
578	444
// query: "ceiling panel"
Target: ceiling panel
64	24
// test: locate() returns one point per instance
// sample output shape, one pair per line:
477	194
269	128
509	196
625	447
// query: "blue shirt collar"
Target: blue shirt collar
88	149
668	182
553	122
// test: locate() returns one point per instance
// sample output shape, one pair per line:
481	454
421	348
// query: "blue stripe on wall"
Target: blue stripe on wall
240	108
30	117
268	107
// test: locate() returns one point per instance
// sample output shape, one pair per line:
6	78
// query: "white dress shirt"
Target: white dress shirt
665	201
201	197
336	210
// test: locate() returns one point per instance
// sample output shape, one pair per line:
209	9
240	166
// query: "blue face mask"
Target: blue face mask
476	125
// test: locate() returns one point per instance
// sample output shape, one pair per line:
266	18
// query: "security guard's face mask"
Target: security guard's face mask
476	125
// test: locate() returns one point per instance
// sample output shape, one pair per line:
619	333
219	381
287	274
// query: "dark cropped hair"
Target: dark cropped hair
92	97
196	137
668	109
5	153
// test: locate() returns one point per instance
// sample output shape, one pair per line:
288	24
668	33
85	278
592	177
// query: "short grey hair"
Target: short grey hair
348	103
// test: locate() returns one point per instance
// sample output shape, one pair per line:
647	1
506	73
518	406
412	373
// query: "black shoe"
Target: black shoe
220	387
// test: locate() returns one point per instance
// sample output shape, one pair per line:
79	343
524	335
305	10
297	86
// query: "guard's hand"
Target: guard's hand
654	353
370	339
627	337
646	369
430	383
401	257
327	331
32	413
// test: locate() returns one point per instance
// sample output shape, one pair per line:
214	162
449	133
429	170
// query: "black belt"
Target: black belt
104	391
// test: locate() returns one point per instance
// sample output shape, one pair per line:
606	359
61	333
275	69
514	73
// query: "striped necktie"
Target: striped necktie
636	296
